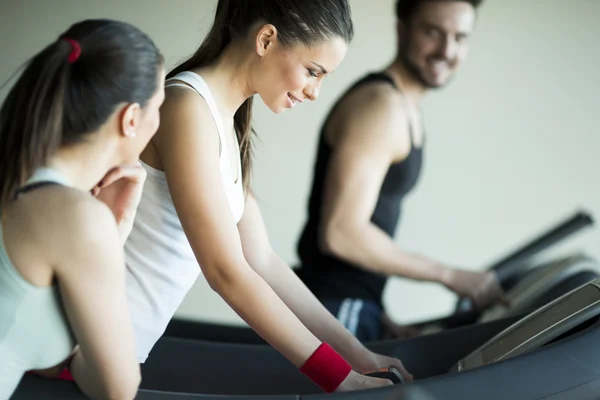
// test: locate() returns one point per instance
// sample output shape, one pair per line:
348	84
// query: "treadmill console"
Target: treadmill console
538	328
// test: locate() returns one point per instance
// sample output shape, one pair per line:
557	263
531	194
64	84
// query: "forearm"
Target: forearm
370	248
260	307
313	314
125	227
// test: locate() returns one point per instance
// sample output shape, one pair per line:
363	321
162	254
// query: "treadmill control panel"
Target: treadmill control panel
538	328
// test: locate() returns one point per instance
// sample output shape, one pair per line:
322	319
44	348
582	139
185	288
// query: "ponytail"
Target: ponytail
214	43
221	34
31	118
69	90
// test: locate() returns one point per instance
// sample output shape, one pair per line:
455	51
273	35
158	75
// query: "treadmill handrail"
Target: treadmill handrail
532	285
513	263
552	236
536	283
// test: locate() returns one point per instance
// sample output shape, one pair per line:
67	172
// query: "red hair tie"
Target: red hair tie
75	52
65	375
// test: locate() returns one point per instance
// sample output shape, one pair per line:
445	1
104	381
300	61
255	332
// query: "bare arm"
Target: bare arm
188	145
369	142
91	277
259	253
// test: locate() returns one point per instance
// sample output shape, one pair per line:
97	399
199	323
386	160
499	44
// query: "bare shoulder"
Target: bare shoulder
185	120
46	226
183	103
67	220
373	112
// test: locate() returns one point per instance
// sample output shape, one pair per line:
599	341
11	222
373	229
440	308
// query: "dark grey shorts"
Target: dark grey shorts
361	317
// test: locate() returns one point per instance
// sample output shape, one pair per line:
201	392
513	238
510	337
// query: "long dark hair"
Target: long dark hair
306	21
58	101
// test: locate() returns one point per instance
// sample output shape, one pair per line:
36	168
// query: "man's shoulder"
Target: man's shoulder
373	100
373	96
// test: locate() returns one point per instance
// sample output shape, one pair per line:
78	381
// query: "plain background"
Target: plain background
512	142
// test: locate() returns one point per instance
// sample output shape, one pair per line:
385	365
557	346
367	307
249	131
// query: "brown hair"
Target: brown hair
305	21
56	102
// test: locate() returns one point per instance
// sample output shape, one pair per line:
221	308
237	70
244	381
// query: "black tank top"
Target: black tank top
331	277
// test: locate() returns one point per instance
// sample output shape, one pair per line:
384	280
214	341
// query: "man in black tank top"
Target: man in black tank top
369	157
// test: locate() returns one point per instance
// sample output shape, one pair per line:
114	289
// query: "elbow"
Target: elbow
124	388
215	280
220	278
335	239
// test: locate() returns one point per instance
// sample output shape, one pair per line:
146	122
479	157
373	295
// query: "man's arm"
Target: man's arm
374	134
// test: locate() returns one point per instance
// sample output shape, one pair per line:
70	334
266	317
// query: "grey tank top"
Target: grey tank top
34	331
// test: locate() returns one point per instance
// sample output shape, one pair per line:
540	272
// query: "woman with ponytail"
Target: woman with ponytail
74	123
197	212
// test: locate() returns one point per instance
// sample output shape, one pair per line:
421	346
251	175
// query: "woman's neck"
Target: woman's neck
229	79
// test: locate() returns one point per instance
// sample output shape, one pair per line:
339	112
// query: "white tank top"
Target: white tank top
34	330
161	266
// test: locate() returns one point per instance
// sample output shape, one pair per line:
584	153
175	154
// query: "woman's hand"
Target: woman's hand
121	190
356	381
381	361
369	361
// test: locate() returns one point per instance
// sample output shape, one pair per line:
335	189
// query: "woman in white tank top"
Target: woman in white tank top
75	121
197	212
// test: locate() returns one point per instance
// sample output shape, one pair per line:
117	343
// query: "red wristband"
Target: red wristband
326	368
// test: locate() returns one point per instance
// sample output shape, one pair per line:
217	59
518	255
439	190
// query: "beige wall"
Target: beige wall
512	142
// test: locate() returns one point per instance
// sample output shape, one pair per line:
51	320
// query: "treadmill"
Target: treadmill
554	279
551	354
